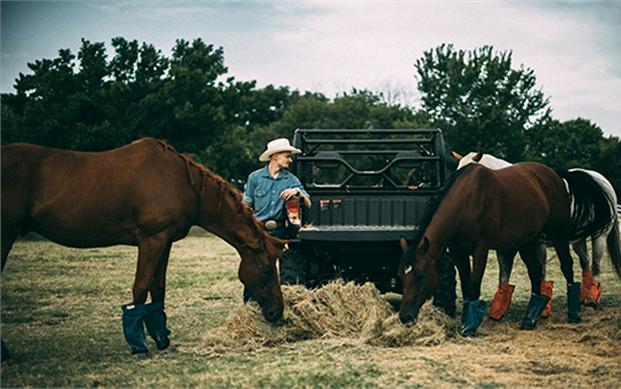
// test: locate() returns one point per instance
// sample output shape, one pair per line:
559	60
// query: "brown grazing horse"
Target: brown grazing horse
144	194
481	209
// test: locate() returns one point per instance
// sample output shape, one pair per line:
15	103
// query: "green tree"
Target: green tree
608	162
357	109
479	99
573	143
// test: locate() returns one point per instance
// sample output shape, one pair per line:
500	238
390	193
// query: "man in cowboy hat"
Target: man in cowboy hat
268	188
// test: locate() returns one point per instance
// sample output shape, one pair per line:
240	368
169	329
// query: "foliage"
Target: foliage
91	103
87	101
575	143
568	144
479	99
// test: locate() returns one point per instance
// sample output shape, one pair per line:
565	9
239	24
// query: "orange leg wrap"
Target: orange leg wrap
596	294
502	301
585	288
546	289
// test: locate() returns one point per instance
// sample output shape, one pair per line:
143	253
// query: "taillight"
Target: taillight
293	211
293	206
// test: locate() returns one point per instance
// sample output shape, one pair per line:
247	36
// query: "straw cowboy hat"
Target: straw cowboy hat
278	146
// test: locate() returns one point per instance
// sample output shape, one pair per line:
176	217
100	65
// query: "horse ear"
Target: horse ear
457	155
478	157
423	246
404	244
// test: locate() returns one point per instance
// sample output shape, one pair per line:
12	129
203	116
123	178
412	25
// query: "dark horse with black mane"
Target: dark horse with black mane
144	194
481	209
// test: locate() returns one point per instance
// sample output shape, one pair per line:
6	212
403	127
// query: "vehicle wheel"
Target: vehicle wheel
444	297
293	266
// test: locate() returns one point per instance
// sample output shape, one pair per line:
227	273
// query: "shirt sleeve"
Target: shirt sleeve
298	185
249	192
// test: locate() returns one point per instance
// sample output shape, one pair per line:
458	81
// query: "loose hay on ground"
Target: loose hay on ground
336	311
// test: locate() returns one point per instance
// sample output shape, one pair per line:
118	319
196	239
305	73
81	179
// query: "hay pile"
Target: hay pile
336	311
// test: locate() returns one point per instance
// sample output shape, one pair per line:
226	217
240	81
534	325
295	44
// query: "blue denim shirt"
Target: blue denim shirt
263	193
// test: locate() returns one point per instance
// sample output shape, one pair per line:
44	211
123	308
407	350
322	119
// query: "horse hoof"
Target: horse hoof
575	320
169	349
468	333
528	326
591	304
162	344
141	354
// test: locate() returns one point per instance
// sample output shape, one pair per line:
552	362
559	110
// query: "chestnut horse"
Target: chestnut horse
594	215
481	209
144	194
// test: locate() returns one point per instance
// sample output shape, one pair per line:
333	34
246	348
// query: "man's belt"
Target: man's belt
273	224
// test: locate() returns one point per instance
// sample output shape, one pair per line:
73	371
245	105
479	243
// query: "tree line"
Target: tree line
88	101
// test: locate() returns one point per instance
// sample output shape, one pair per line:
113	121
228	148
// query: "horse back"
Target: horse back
86	199
536	193
511	206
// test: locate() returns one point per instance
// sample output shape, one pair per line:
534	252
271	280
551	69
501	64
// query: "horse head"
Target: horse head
418	277
257	271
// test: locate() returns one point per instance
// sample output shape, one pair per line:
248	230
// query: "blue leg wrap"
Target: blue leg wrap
573	303
155	320
472	316
536	305
133	328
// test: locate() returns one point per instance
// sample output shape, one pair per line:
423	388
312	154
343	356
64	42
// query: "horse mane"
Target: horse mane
431	210
224	186
593	209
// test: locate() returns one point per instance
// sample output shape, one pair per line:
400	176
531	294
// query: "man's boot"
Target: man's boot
502	301
133	329
155	320
546	290
536	305
573	302
472	316
585	290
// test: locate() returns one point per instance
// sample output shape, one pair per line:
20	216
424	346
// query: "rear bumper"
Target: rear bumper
353	233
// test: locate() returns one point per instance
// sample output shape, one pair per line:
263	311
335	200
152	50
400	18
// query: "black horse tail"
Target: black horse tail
614	247
593	208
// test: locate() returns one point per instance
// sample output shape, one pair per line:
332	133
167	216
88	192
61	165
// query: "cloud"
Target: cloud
331	47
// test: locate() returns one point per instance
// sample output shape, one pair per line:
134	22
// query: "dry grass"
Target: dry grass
61	318
338	310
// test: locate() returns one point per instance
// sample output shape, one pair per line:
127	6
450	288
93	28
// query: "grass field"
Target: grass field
61	319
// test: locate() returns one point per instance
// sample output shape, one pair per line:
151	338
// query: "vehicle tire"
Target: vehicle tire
444	297
293	266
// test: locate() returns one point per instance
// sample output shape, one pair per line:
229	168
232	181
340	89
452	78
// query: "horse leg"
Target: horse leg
474	307
547	286
573	288
580	248
537	303
462	262
502	298
595	290
150	250
7	242
8	238
155	318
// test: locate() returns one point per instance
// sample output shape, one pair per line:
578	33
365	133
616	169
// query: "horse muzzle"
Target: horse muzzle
272	315
408	316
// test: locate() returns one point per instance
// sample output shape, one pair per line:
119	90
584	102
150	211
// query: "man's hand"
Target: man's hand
288	193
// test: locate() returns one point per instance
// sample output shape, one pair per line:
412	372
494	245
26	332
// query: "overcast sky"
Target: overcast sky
330	47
